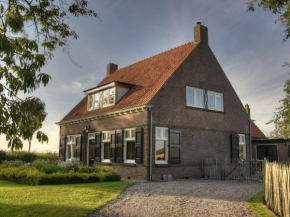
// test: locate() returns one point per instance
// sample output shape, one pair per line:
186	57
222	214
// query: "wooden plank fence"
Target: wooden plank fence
277	187
233	169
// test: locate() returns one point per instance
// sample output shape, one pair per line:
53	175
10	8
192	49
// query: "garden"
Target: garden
29	168
34	184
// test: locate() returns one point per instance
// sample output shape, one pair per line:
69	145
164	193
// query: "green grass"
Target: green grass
258	206
57	200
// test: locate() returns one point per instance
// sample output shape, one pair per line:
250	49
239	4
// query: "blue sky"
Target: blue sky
248	45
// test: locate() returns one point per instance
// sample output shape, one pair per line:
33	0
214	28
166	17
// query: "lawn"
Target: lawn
258	206
56	200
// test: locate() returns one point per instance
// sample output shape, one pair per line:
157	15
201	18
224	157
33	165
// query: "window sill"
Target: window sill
129	162
206	110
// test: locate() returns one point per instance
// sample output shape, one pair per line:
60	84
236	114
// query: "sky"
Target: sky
248	46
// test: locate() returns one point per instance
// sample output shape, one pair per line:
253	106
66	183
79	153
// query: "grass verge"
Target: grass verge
57	200
259	207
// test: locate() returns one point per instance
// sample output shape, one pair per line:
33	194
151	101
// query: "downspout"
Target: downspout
250	138
150	157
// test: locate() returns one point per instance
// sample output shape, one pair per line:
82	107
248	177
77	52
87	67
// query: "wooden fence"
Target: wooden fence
243	170
277	187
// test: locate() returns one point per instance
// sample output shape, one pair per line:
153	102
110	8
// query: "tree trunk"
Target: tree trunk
29	145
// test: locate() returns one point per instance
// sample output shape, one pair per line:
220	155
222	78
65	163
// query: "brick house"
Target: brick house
161	115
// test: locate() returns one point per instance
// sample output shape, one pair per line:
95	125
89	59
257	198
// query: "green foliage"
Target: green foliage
30	156
279	7
40	173
281	117
23	57
2	156
73	200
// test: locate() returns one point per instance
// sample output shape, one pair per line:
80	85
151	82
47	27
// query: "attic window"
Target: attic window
102	99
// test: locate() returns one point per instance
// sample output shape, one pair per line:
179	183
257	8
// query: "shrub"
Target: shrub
2	156
48	175
28	157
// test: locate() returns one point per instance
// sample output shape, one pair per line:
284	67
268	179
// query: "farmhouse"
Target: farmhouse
161	115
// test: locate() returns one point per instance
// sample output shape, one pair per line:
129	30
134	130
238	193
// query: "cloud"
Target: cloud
73	87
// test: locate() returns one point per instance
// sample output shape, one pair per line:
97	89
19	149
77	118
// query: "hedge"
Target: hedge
27	157
32	176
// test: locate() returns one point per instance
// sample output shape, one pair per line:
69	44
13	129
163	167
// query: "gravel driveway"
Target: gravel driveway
183	198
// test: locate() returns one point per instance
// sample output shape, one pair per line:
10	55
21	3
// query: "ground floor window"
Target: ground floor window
106	151
242	146
161	145
71	147
129	145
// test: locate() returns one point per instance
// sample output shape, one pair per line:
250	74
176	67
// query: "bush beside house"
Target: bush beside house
50	172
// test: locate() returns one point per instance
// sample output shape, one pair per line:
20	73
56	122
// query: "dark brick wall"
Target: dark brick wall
205	134
140	119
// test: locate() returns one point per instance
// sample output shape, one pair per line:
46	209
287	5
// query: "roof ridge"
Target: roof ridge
156	55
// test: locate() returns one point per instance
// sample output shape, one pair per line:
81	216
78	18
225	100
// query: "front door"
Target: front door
268	152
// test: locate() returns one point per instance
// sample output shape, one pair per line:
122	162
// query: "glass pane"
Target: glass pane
165	133
97	100
131	150
69	151
112	96
199	98
106	97
104	137
211	100
106	150
189	96
158	132
133	133
160	150
90	102
219	102
127	134
241	151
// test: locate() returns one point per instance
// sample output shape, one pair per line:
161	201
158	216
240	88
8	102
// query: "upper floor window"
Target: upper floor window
102	99
194	97
215	101
200	98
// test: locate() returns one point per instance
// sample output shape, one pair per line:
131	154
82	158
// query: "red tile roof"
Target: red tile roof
148	76
256	132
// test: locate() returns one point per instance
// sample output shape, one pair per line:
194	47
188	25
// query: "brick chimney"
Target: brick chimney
248	110
200	33
111	67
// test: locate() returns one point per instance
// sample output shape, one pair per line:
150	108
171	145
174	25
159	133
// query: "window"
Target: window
204	99
102	99
106	151
129	145
161	145
194	97
215	101
242	146
71	147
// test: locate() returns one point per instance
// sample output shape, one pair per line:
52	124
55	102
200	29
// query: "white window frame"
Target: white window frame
215	101
242	142
163	137
71	140
101	98
106	140
194	97
128	139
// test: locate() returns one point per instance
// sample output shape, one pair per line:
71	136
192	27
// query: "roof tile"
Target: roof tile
147	75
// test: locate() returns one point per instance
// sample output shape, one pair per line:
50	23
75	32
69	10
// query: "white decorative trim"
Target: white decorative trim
106	115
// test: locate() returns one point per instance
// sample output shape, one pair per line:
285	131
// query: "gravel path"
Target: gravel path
183	198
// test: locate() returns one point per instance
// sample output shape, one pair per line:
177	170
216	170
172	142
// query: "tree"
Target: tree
23	56
279	7
281	118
